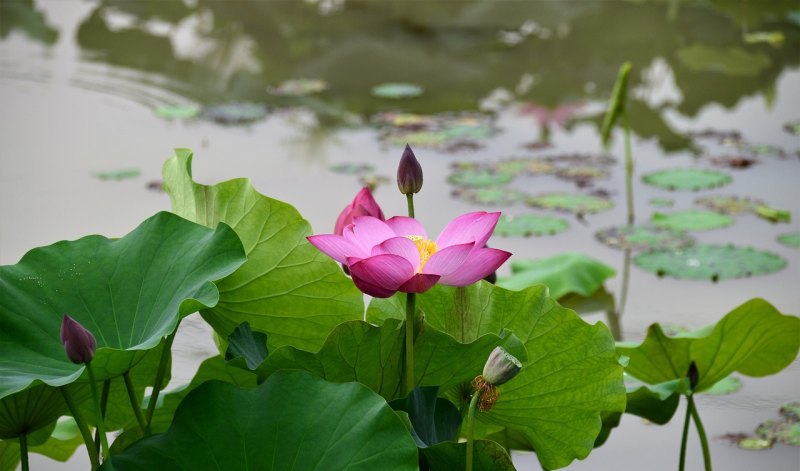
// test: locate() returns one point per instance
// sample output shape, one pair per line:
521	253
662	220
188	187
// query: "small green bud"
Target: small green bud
409	173
500	367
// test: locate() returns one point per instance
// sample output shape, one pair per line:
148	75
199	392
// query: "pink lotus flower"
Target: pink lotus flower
396	255
363	204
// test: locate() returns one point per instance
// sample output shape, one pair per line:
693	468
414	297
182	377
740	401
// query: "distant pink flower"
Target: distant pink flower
396	255
363	204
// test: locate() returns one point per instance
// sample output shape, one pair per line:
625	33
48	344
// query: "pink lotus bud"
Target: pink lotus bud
500	367
363	204
409	173
78	342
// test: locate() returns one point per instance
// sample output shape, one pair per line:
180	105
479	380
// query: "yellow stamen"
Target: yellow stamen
426	248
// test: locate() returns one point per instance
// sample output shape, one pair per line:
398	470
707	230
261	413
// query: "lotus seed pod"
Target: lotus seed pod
500	367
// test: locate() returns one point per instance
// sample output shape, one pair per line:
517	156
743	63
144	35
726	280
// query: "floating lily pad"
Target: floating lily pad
781	431
526	225
692	220
479	178
792	128
500	196
686	179
661	202
177	111
729	204
571	202
524	166
352	168
772	214
710	262
236	113
643	238
581	175
298	87
397	90
790	239
583	159
405	120
446	131
754	443
791	411
124	174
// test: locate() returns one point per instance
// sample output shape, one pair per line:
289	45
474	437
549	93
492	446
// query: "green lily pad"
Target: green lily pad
691	220
780	431
586	160
487	456
524	166
710	262
790	239
397	90
571	202
405	120
570	272
168	264
309	424
686	179
571	375
661	202
643	238
479	178
287	288
753	339
298	87
792	127
754	443
446	131
773	215
581	175
125	174
500	196
236	113
526	225
729	204
177	111
62	443
352	168
791	411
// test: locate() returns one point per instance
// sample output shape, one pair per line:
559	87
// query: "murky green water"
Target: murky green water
81	83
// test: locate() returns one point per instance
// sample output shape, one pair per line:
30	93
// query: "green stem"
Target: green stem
134	400
87	436
162	366
408	377
689	406
103	406
410	201
628	168
23	451
701	431
471	428
101	427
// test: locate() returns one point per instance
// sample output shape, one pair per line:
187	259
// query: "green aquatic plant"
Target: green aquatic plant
576	203
641	237
526	225
570	272
710	262
686	179
691	220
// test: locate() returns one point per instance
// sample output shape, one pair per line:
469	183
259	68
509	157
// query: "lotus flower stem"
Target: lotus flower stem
471	427
628	168
23	451
101	427
408	369
134	401
103	404
701	431
87	436
410	201
689	406
162	366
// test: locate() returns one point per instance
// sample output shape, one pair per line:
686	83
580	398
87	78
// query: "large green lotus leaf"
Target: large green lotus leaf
60	445
571	375
753	339
433	419
570	272
293	421
287	289
372	355
488	456
129	292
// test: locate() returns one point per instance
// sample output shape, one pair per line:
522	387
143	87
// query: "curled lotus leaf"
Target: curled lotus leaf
710	262
643	237
790	239
500	196
686	179
692	220
729	204
571	202
526	225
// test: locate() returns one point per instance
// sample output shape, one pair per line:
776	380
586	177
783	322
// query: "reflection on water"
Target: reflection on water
502	81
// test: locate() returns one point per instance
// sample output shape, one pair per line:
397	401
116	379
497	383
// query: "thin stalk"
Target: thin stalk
103	406
162	366
689	407
101	427
701	431
626	279
410	201
471	428
134	400
628	168
408	378
23	451
82	427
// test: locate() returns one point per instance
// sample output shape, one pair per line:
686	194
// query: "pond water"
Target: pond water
85	85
